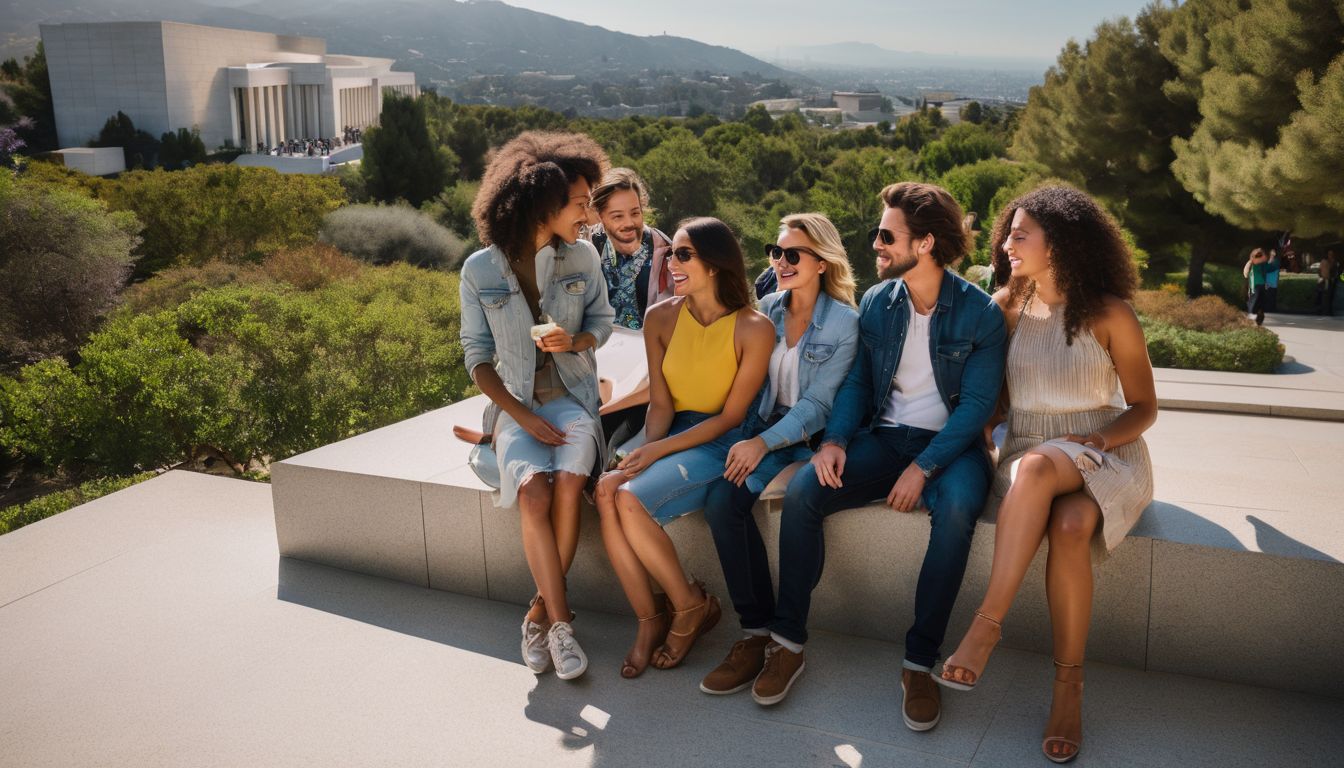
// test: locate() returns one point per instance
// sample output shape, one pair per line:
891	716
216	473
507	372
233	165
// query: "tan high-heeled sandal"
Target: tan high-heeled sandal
631	669
947	682
1077	745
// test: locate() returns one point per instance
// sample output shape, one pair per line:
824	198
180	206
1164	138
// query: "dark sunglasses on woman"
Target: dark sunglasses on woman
888	237
681	254
791	255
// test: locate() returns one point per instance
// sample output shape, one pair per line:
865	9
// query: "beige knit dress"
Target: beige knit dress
1055	389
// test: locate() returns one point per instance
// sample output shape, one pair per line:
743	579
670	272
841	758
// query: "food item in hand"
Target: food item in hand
538	331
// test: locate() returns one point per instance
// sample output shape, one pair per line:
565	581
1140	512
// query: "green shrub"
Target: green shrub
386	234
252	371
1247	350
1297	292
15	517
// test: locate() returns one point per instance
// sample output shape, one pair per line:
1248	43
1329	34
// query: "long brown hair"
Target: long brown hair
527	182
717	246
1088	254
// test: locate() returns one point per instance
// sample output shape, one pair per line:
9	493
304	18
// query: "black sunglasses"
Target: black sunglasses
888	237
681	254
791	255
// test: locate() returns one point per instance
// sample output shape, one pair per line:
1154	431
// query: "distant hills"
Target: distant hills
442	40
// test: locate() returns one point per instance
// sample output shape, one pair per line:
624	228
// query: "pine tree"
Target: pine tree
400	161
1268	149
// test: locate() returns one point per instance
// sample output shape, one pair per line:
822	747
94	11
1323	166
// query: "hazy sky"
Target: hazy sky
1026	28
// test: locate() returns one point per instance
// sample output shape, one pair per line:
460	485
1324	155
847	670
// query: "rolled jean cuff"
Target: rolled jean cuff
908	664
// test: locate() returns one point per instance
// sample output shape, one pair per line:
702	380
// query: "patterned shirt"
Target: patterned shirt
625	276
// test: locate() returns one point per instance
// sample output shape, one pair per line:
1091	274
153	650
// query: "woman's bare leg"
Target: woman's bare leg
633	577
1042	475
539	545
656	552
566	492
1068	585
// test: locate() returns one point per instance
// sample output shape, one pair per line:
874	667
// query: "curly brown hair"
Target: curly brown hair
528	181
1088	255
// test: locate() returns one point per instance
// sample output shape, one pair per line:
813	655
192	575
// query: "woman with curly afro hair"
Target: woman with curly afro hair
1079	395
534	307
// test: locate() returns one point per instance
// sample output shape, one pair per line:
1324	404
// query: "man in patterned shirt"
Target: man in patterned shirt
632	253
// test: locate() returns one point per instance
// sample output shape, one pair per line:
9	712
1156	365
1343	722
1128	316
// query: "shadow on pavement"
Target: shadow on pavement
1272	541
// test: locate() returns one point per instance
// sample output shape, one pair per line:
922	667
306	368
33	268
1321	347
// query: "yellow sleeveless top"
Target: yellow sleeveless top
700	362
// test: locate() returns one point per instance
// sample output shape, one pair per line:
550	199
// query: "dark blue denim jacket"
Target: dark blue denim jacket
967	344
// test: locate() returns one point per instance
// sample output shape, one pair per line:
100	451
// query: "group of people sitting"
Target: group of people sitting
892	398
302	147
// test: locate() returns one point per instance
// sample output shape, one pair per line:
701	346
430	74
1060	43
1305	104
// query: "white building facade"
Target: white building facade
237	87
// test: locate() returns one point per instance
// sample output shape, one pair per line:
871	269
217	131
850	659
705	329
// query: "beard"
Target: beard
896	267
627	237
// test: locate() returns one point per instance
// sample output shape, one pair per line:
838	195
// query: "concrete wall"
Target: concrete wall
98	69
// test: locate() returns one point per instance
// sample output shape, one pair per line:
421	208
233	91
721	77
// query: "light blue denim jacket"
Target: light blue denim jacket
497	324
828	348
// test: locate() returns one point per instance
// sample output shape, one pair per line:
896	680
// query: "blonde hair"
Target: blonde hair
838	279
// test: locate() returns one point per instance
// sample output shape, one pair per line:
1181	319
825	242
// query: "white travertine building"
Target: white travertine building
247	88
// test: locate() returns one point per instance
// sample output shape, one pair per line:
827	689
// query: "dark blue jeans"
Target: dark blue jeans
873	463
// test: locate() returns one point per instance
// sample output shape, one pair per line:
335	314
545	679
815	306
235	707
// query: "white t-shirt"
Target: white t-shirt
784	375
914	399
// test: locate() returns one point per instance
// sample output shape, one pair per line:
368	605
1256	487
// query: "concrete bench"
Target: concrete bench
1187	592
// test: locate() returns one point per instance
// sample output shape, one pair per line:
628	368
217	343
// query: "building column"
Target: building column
271	133
233	116
279	112
254	124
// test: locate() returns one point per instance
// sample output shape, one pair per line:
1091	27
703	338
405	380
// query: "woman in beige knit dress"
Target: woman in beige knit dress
1074	468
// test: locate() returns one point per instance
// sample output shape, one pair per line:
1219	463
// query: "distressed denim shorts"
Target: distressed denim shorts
678	484
521	456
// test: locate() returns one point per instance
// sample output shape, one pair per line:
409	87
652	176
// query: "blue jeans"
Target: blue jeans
874	461
676	484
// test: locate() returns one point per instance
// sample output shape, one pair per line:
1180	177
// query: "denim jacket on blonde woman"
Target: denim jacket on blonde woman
497	324
826	350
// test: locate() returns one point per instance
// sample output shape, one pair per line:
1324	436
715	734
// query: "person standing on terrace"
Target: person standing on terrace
1074	468
708	351
534	309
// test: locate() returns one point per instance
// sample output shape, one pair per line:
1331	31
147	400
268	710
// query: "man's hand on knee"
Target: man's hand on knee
904	496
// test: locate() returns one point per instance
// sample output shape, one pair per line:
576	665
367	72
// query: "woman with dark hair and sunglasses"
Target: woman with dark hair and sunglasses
1074	468
816	337
708	351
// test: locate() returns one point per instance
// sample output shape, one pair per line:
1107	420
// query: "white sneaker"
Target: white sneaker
570	661
536	654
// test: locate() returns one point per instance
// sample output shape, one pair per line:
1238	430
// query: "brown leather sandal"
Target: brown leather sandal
679	644
1076	745
632	669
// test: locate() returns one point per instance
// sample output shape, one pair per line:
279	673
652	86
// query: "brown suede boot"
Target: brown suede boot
739	669
921	701
781	670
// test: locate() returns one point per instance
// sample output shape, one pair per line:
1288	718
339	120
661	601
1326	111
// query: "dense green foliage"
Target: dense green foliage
1267	151
250	371
63	260
211	211
15	517
400	162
